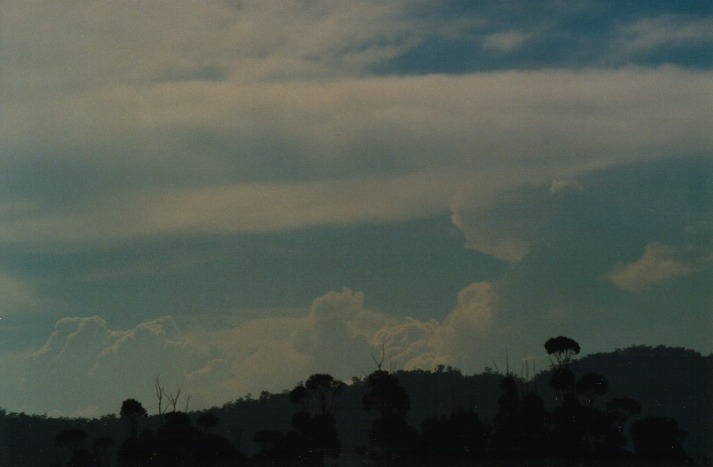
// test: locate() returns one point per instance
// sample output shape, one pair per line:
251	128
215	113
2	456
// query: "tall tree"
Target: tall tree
506	439
567	435
314	432
562	349
389	433
321	389
325	388
131	409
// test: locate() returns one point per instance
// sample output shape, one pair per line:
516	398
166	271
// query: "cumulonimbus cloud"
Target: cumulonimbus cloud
87	366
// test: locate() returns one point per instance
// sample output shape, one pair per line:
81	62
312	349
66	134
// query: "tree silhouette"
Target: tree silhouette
321	388
325	387
102	449
207	420
532	424
273	447
562	349
386	396
458	438
299	395
620	409
72	438
567	435
131	409
178	443
596	422
658	439
506	439
592	385
389	433
314	433
132	451
578	431
175	440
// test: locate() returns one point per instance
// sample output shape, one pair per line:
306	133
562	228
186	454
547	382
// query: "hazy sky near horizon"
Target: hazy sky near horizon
234	195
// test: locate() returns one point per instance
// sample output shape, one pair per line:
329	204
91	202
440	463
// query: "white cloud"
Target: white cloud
244	208
408	344
564	186
87	366
203	118
16	294
371	149
506	41
646	35
493	236
497	225
657	265
136	42
473	310
341	336
187	117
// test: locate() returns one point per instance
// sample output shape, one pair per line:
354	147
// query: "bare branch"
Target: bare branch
379	363
159	396
173	400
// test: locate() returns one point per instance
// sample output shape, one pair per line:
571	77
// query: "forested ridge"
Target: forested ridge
635	406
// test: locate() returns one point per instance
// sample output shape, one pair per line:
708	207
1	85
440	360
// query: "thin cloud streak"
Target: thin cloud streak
647	35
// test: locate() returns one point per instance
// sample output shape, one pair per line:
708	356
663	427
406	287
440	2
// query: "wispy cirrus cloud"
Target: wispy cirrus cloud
646	36
92	46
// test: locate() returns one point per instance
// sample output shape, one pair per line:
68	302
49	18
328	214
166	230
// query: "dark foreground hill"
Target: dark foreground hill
667	382
672	382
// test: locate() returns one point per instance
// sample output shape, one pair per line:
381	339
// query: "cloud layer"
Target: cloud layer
448	139
180	180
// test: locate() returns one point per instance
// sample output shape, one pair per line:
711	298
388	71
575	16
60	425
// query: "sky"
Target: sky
233	195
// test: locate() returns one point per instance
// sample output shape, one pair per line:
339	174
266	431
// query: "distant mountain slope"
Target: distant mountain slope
672	382
666	381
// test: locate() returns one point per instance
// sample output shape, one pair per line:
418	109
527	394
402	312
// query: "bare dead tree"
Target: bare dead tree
380	362
159	396
172	398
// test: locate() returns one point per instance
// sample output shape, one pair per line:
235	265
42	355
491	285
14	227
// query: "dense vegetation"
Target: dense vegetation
638	406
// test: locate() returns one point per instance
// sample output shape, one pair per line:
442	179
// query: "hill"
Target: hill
669	382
